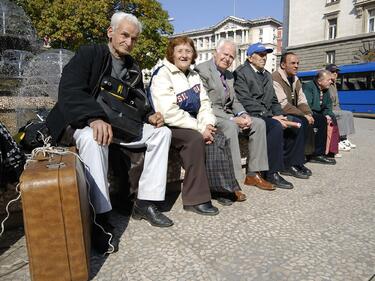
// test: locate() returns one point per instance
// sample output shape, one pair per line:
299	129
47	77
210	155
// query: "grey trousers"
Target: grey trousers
345	122
257	158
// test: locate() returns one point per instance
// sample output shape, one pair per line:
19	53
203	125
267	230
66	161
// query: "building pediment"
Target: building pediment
230	23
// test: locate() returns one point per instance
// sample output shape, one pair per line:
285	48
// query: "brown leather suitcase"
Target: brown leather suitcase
57	218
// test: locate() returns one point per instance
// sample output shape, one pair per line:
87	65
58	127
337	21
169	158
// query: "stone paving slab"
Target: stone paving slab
321	230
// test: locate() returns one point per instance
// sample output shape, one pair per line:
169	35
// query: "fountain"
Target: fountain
39	86
29	72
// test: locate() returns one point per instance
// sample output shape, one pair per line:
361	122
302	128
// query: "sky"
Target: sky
196	14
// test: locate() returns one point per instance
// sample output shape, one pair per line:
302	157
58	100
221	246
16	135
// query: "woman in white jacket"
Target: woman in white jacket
178	93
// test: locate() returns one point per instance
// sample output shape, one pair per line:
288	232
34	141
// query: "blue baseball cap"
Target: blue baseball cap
257	48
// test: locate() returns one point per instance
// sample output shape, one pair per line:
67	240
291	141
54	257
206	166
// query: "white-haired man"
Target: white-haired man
78	112
232	117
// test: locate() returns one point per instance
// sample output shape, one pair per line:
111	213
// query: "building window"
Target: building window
332	28
330	57
206	56
371	20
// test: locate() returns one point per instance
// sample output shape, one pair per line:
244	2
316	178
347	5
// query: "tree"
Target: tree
72	23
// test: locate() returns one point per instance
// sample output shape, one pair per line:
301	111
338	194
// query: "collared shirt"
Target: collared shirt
256	70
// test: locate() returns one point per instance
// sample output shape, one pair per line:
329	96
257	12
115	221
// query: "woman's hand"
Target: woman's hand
156	119
208	134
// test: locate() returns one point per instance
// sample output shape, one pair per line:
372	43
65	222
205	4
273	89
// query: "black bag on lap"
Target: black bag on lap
125	107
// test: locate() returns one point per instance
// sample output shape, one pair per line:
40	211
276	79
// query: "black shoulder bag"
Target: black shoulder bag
125	107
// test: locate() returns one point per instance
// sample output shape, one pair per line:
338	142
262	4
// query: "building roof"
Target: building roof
233	19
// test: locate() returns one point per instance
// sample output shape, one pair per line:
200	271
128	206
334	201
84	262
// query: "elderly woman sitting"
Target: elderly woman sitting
177	92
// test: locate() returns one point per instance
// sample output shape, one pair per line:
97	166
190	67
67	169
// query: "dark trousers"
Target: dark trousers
294	143
320	128
309	135
275	144
285	148
191	147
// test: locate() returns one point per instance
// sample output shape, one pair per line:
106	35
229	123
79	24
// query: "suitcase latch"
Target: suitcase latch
56	165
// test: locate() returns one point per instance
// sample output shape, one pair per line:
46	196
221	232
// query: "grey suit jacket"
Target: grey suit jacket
216	92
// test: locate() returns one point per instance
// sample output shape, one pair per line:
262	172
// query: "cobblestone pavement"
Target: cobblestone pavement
321	230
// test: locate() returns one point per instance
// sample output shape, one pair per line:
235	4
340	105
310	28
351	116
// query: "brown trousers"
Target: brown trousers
191	147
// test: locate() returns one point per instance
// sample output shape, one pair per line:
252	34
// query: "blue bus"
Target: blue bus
355	85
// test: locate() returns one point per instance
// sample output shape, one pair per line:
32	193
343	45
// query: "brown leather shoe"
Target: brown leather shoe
258	181
240	196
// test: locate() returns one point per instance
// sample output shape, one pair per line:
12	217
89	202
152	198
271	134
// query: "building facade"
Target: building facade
243	33
330	31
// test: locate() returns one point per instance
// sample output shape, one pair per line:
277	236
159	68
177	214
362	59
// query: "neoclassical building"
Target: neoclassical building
243	32
329	31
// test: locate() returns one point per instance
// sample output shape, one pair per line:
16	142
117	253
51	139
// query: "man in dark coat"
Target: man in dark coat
254	89
78	117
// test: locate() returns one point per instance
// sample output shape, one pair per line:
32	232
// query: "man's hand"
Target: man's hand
310	119
244	121
328	118
281	119
208	134
156	119
102	132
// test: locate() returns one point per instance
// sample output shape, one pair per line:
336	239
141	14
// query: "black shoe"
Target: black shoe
322	160
203	209
294	172
152	215
102	236
303	169
222	199
278	181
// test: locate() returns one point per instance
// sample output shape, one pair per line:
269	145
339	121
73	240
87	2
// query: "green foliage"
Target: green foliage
72	23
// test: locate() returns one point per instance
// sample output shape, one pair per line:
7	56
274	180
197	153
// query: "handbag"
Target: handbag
219	166
125	108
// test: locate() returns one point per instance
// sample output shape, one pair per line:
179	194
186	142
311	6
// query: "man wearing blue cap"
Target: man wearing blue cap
254	89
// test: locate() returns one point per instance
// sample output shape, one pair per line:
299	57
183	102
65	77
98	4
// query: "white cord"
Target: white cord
7	210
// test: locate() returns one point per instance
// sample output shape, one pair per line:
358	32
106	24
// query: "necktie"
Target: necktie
225	85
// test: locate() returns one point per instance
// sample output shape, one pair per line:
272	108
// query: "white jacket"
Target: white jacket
167	82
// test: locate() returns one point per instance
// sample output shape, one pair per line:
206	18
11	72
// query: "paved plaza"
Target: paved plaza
323	229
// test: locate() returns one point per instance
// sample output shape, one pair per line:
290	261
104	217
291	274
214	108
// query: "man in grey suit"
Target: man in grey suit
232	117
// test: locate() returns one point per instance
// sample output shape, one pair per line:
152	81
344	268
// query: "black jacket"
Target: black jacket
258	98
79	86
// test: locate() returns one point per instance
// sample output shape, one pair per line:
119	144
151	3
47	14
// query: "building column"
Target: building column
226	34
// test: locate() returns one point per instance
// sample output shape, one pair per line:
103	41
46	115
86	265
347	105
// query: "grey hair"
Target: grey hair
224	41
321	73
120	16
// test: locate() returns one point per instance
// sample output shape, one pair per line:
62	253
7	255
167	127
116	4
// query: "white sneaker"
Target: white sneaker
349	144
343	146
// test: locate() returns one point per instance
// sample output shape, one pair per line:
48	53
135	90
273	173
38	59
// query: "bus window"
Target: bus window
357	81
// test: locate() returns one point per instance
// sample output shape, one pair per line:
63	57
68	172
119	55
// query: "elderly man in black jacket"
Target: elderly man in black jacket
78	117
254	89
